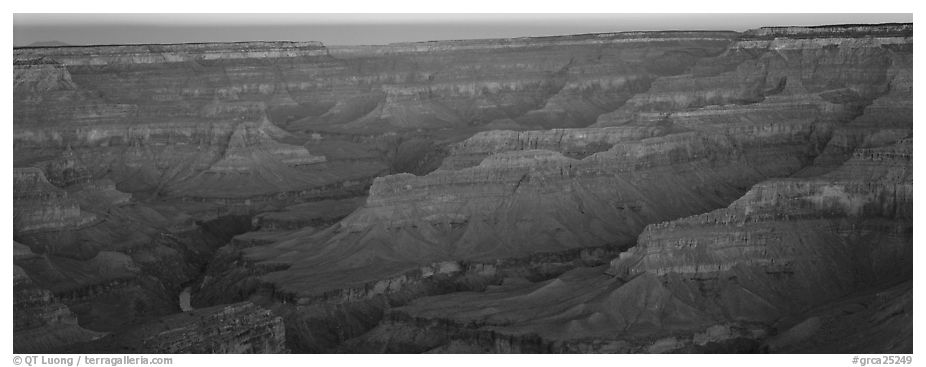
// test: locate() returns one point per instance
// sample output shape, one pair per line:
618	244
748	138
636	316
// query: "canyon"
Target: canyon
637	192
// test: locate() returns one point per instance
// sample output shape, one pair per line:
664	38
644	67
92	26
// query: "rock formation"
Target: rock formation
237	328
40	321
38	205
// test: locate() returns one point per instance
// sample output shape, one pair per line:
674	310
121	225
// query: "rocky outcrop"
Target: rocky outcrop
65	170
51	195
100	195
252	164
236	328
40	321
40	206
573	143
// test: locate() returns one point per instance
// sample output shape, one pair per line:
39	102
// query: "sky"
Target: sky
354	29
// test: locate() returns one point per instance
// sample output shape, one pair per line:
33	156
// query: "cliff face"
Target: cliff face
238	328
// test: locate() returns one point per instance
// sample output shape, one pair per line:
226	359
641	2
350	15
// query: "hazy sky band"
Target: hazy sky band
353	29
